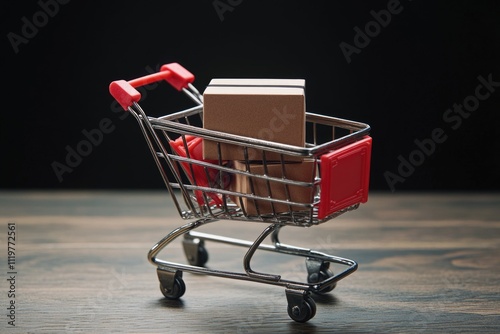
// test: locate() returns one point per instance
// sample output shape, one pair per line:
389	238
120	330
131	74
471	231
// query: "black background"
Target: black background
425	60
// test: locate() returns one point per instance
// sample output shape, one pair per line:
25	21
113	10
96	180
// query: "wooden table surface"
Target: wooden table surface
428	263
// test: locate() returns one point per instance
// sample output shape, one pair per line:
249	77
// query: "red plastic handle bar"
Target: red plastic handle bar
125	92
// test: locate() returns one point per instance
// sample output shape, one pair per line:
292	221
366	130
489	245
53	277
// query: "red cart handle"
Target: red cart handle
125	92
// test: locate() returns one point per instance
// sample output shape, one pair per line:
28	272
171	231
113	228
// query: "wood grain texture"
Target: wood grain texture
428	263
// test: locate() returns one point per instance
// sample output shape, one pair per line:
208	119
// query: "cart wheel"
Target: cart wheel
202	256
200	259
178	290
304	311
196	253
321	276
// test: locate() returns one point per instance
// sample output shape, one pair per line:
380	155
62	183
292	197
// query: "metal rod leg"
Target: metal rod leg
153	252
251	251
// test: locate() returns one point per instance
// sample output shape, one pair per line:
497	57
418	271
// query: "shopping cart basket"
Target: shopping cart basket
338	149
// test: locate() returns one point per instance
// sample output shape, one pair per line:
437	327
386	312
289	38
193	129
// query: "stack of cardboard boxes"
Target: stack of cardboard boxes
269	109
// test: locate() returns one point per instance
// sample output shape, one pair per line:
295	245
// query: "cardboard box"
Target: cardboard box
269	109
298	171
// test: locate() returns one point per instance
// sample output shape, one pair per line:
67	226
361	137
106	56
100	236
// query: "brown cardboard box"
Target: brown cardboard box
268	109
298	171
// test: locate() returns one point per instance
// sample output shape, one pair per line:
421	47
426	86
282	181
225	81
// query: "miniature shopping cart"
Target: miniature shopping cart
338	149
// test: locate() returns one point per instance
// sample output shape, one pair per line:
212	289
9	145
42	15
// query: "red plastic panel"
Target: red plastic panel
196	173
345	177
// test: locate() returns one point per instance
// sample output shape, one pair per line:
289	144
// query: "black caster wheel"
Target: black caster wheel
321	276
319	271
302	311
202	257
196	253
177	291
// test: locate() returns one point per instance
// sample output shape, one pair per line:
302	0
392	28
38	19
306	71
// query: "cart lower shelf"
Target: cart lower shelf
301	306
